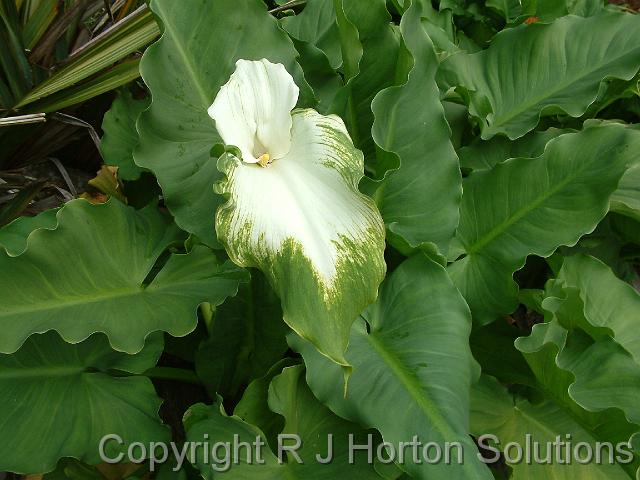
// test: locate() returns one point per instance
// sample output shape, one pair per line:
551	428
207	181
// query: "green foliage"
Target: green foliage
420	200
120	137
138	30
13	237
49	387
412	370
625	199
213	301
567	193
304	416
110	286
38	28
246	338
543	69
495	412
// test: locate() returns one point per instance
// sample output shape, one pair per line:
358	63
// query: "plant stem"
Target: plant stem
176	374
288	5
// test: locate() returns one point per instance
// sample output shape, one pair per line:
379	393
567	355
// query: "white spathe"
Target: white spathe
252	110
302	196
308	194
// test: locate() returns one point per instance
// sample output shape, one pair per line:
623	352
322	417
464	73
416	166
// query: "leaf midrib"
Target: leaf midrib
68	302
421	398
48	372
416	392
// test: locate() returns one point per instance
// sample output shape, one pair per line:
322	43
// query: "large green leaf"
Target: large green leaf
606	375
304	416
567	375
495	412
607	302
594	328
91	274
59	400
486	154
569	368
412	369
184	71
419	201
532	206
543	69
586	373
120	136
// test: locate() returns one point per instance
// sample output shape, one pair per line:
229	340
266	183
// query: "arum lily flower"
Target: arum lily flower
293	207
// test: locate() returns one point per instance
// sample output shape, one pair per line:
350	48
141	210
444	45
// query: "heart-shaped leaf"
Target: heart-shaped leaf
92	274
59	400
